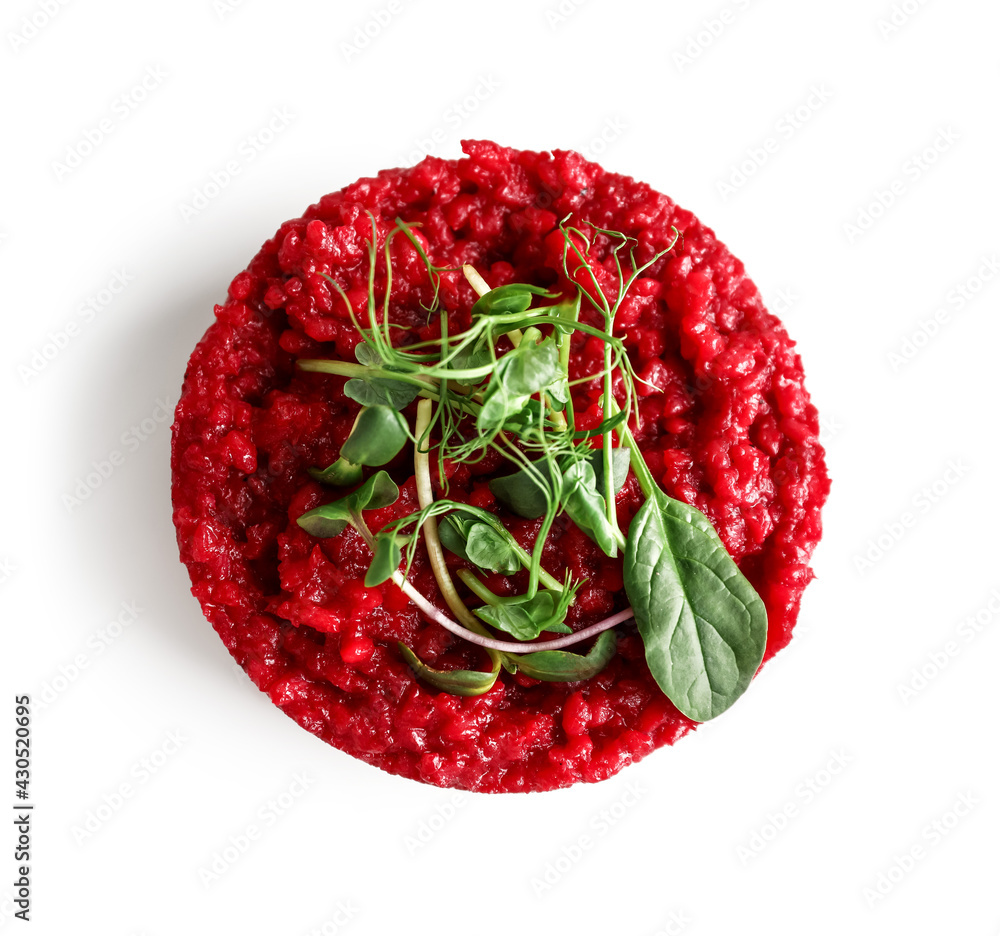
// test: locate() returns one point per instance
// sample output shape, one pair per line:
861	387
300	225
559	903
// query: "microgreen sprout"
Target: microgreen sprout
503	385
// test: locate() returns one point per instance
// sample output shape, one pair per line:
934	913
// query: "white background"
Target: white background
692	839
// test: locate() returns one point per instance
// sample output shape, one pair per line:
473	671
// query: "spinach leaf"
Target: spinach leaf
702	624
563	666
331	519
457	682
526	619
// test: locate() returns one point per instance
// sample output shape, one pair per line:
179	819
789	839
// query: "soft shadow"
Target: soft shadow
130	547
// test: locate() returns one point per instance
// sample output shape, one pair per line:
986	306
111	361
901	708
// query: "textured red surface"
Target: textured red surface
726	425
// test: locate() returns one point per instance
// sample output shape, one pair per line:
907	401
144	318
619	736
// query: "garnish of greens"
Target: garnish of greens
504	384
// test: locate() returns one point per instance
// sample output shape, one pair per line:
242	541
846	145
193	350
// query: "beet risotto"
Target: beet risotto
495	472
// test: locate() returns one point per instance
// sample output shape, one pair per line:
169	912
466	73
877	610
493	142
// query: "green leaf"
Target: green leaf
620	459
341	473
563	666
331	519
473	355
526	619
702	624
523	493
378	436
585	507
488	549
368	354
606	426
513	298
453	531
385	562
381	390
457	682
377	492
528	418
326	521
529	368
375	391
497	408
521	372
558	393
479	543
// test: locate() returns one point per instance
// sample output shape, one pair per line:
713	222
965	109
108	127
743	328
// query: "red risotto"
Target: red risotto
723	421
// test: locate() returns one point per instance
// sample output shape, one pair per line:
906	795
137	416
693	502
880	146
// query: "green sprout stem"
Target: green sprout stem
425	497
478	588
504	646
459	392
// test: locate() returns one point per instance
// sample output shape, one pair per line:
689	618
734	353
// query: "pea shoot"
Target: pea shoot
504	385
